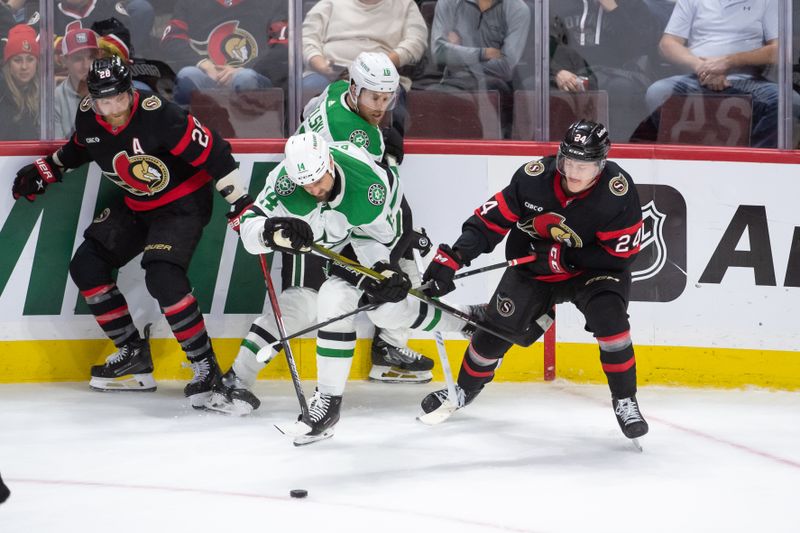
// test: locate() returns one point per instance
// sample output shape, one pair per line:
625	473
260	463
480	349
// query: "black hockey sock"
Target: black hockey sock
619	364
110	309
189	328
476	370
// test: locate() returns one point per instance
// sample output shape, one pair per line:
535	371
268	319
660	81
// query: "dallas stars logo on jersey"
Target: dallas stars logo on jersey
376	194
360	138
284	186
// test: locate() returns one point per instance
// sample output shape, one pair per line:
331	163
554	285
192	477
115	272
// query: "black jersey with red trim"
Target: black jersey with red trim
228	32
600	228
161	154
67	16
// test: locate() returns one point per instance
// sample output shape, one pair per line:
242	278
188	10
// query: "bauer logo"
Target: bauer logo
659	271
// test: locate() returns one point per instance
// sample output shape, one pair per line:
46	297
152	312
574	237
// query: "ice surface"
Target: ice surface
524	457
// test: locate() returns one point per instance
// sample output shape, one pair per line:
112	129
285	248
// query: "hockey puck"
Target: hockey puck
298	493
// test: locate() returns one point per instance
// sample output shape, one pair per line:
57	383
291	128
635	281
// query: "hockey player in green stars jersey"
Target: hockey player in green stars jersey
352	111
343	112
340	196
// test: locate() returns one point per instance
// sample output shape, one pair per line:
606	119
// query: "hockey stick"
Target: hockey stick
509	263
367	307
348	263
287	349
440	415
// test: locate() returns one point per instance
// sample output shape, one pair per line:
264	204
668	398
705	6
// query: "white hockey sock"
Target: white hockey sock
332	374
246	366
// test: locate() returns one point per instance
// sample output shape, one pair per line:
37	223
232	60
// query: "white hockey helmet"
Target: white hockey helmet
374	71
308	158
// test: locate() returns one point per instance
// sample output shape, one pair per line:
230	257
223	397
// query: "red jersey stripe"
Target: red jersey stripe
494	227
187	187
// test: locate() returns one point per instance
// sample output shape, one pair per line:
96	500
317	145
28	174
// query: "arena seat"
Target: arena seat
565	108
243	115
709	120
453	115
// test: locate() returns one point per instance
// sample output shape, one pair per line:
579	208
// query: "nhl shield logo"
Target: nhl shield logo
659	272
653	245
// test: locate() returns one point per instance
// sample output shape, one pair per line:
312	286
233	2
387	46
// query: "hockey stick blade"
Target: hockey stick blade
438	415
294	429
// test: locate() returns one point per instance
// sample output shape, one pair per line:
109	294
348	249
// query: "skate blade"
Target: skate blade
199	400
439	415
218	403
127	383
303	440
386	374
294	429
637	445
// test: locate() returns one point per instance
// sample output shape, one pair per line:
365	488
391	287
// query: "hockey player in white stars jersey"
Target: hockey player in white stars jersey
337	196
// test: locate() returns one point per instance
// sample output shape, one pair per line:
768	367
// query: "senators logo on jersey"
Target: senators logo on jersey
141	175
228	44
551	226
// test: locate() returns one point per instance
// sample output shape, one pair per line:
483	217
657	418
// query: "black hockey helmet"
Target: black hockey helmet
585	141
108	76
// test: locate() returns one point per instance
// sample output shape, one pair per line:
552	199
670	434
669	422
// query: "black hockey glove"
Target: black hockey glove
393	287
33	179
420	241
438	277
549	259
393	144
288	234
237	210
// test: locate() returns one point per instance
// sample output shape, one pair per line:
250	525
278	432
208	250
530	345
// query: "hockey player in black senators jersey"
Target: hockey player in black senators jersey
580	216
164	162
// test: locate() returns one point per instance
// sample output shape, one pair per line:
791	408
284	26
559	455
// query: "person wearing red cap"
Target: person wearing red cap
79	48
19	86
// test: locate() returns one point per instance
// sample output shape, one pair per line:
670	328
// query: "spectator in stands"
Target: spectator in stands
216	44
725	45
19	87
662	9
480	42
615	39
79	48
142	16
114	39
69	14
333	38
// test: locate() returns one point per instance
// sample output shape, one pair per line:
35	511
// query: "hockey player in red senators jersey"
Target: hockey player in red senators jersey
164	162
580	215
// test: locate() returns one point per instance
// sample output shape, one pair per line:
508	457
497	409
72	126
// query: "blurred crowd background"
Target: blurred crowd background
707	72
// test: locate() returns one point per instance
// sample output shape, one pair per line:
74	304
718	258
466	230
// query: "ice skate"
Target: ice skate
323	413
398	364
231	396
206	374
4	491
130	368
630	420
437	406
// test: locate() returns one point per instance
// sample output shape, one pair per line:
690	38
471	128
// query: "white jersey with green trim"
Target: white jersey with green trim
364	212
329	115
